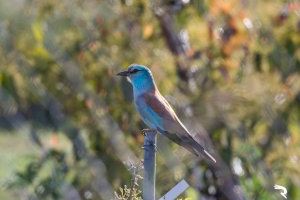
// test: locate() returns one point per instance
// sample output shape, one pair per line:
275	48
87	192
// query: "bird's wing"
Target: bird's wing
167	122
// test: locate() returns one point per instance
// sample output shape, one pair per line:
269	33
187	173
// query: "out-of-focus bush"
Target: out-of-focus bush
235	70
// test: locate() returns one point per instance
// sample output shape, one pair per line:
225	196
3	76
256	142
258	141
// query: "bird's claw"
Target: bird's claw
143	132
147	130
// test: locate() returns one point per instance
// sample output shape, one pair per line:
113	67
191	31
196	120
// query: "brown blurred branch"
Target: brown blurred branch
174	43
222	172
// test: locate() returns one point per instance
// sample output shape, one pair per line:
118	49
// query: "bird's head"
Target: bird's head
140	77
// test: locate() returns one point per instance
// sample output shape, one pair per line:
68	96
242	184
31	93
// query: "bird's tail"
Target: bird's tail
208	155
201	151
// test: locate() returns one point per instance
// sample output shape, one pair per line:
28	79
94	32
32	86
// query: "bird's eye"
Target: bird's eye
134	71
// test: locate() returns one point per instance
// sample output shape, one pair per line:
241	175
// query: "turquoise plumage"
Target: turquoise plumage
157	113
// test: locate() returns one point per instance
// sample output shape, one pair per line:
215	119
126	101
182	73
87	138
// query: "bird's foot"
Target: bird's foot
147	131
150	135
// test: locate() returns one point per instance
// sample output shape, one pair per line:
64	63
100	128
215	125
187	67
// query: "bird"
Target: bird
157	113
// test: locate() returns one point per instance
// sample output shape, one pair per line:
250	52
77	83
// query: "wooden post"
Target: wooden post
149	165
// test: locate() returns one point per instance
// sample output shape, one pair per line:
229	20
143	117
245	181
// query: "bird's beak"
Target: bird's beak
124	73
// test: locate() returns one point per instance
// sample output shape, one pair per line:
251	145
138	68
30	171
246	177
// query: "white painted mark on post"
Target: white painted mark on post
178	189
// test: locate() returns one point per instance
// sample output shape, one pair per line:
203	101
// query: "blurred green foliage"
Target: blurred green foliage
240	80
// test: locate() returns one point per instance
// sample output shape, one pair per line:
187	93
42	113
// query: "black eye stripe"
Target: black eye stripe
134	71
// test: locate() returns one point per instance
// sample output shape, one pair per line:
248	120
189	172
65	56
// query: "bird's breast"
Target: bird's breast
147	113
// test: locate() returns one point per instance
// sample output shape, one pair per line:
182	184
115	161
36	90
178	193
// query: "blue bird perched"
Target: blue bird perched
157	113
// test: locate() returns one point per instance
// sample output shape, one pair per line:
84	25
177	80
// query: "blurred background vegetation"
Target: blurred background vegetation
70	131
